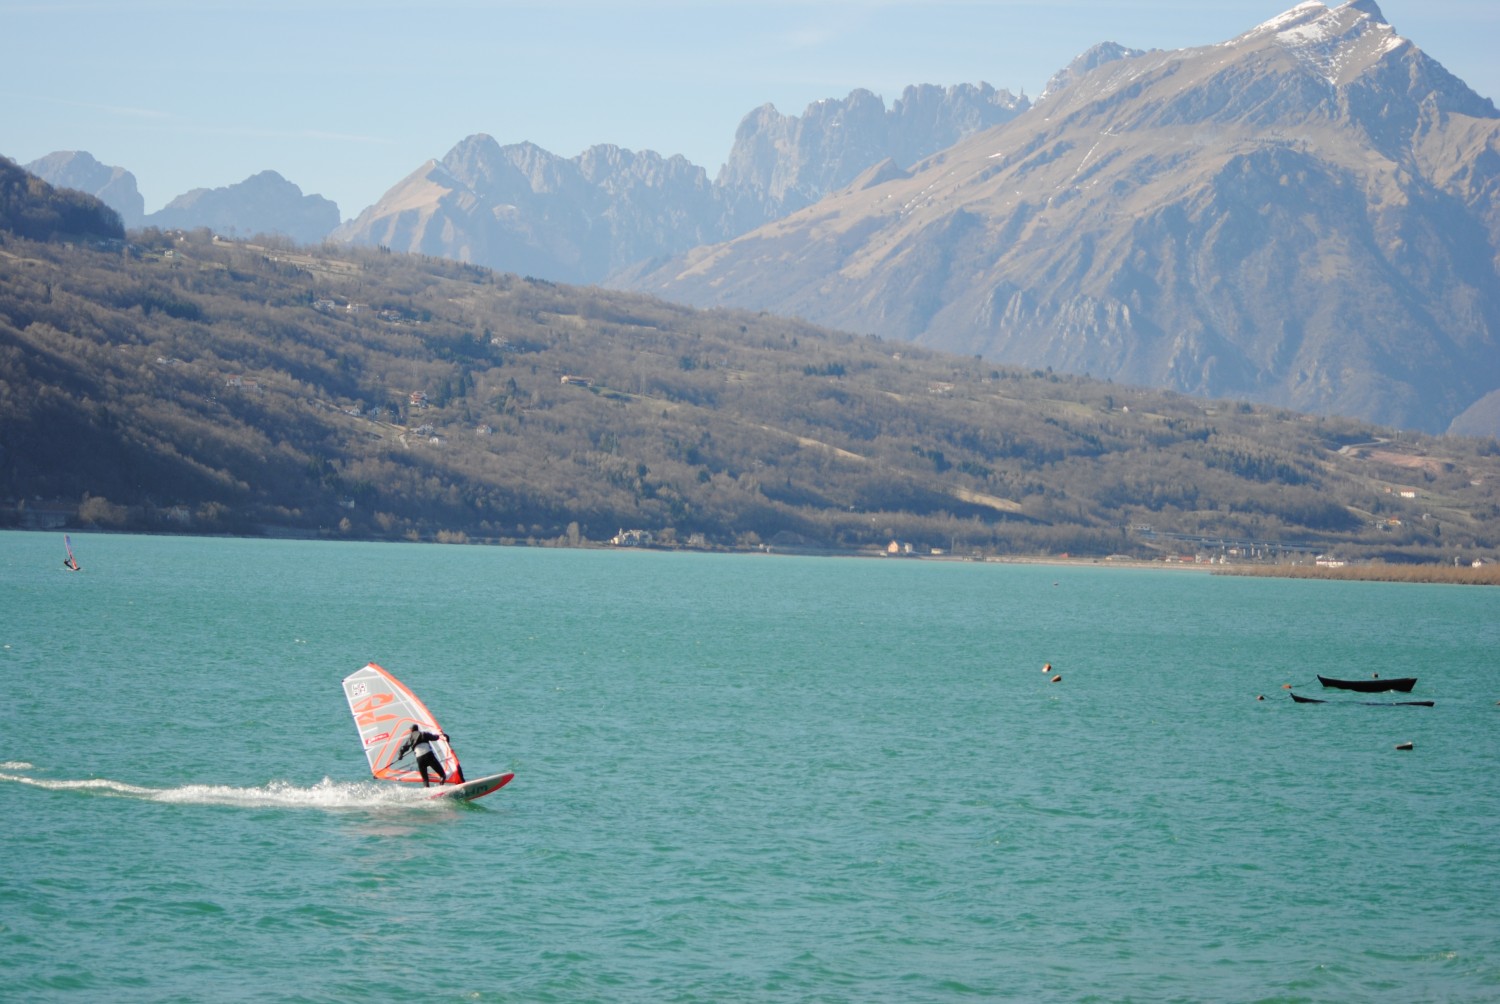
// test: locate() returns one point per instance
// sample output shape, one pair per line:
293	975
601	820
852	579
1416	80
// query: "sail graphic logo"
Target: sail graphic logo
364	711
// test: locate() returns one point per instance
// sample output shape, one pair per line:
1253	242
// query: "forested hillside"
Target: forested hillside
31	208
195	385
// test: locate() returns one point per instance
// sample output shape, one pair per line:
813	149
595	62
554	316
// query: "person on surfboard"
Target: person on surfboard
421	741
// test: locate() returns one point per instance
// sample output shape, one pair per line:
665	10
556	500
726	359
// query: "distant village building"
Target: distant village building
633	538
577	381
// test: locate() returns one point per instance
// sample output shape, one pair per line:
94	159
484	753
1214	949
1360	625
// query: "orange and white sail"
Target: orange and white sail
384	711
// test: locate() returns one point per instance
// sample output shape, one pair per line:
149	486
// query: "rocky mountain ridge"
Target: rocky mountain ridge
1307	215
520	208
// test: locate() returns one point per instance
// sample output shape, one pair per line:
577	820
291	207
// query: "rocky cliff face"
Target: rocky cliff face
264	203
113	186
1306	215
781	163
519	208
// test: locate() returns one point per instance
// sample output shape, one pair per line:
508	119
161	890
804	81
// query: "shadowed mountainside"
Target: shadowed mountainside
191	384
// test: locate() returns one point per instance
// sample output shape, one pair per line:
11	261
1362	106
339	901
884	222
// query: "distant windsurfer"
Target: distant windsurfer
421	741
70	564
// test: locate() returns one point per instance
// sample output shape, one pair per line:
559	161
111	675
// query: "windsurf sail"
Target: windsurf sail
384	711
70	561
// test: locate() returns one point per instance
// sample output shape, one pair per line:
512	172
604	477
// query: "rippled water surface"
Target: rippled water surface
739	779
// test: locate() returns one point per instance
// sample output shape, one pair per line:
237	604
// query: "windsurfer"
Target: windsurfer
70	564
421	741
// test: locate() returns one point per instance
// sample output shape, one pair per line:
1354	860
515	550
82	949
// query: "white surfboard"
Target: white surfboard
467	791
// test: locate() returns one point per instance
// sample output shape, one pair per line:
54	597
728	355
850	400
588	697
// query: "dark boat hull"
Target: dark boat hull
1372	686
1377	704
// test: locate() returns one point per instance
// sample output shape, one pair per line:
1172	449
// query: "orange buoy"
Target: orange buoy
1056	678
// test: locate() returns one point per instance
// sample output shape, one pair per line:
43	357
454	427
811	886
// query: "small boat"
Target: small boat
1374	704
1374	685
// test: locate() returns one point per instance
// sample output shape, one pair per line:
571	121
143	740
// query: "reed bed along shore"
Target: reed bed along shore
1375	571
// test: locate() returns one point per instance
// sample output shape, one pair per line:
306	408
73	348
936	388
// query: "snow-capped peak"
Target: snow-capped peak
1339	42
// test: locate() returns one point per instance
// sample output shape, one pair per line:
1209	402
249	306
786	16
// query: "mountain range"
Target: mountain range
522	209
1305	215
264	203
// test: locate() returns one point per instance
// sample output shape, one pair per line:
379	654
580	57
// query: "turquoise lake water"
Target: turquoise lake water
738	778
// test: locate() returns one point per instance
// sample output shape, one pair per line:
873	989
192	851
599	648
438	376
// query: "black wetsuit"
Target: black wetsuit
426	760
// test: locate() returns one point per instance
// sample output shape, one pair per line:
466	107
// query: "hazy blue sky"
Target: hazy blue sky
346	97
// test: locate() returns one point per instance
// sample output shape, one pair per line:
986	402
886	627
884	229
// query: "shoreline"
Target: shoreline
1430	573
